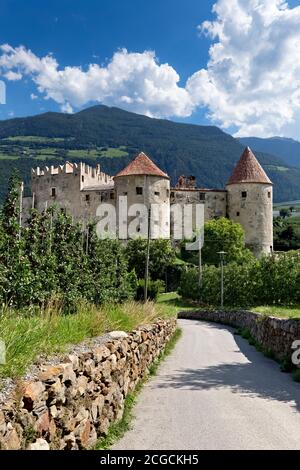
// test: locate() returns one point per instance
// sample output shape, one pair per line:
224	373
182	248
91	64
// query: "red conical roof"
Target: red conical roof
248	170
142	165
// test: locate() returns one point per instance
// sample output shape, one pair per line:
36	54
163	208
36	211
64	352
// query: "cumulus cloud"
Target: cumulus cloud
252	80
135	81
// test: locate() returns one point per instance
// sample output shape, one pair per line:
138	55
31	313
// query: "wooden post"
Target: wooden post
147	256
21	208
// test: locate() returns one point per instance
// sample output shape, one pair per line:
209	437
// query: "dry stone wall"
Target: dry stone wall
70	404
273	334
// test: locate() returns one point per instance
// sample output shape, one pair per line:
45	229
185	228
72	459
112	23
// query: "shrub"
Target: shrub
154	288
267	281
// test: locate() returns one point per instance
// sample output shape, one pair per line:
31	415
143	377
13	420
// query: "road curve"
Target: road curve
215	391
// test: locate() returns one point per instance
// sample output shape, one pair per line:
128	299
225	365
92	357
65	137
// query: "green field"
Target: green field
281	312
13	148
34	138
277	168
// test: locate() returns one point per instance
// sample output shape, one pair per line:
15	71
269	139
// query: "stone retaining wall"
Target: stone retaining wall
70	404
273	334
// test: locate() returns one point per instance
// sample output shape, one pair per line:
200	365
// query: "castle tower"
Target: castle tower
250	203
142	182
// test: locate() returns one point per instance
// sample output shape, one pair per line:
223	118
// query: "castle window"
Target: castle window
53	192
139	190
237	214
125	193
112	195
202	196
87	198
269	194
172	194
244	194
82	178
156	193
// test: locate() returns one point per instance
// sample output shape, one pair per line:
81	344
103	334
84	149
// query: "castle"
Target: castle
81	189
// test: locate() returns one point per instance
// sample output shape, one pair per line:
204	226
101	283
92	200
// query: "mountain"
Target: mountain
286	149
111	137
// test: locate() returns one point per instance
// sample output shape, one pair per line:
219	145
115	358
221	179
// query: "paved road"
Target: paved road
216	392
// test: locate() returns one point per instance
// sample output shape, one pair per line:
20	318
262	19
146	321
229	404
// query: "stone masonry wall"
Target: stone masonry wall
70	403
273	334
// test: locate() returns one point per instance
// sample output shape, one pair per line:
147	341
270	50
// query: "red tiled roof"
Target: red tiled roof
142	165
248	170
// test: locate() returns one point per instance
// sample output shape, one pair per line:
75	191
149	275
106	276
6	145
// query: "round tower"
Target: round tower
143	183
250	203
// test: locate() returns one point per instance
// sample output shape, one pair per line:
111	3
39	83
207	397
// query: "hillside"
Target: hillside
111	136
286	149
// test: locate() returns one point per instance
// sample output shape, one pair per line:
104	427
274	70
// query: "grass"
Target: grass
171	303
33	138
117	430
30	334
94	153
279	311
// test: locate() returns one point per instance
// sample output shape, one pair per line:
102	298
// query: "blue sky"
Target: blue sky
83	32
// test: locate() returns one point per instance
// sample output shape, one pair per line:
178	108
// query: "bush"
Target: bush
153	290
258	282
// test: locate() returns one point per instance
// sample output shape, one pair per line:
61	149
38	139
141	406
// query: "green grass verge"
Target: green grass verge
278	311
28	334
171	303
117	430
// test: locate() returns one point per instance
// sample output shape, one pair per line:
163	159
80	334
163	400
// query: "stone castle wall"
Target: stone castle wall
70	403
254	212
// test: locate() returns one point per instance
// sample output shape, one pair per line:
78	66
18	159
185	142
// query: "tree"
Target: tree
162	255
284	213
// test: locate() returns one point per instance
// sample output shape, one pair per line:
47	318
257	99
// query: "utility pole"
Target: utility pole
87	240
147	256
21	208
200	259
222	255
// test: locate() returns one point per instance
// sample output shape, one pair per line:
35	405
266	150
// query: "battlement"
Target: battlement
89	176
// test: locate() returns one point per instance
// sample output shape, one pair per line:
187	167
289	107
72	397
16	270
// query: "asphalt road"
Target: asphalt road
215	391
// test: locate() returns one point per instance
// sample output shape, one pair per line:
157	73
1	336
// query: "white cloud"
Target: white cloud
252	80
13	76
135	81
33	96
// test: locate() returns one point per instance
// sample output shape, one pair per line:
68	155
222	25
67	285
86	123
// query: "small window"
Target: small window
237	214
87	198
139	190
53	192
202	196
112	196
269	194
244	194
125	193
156	193
82	178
